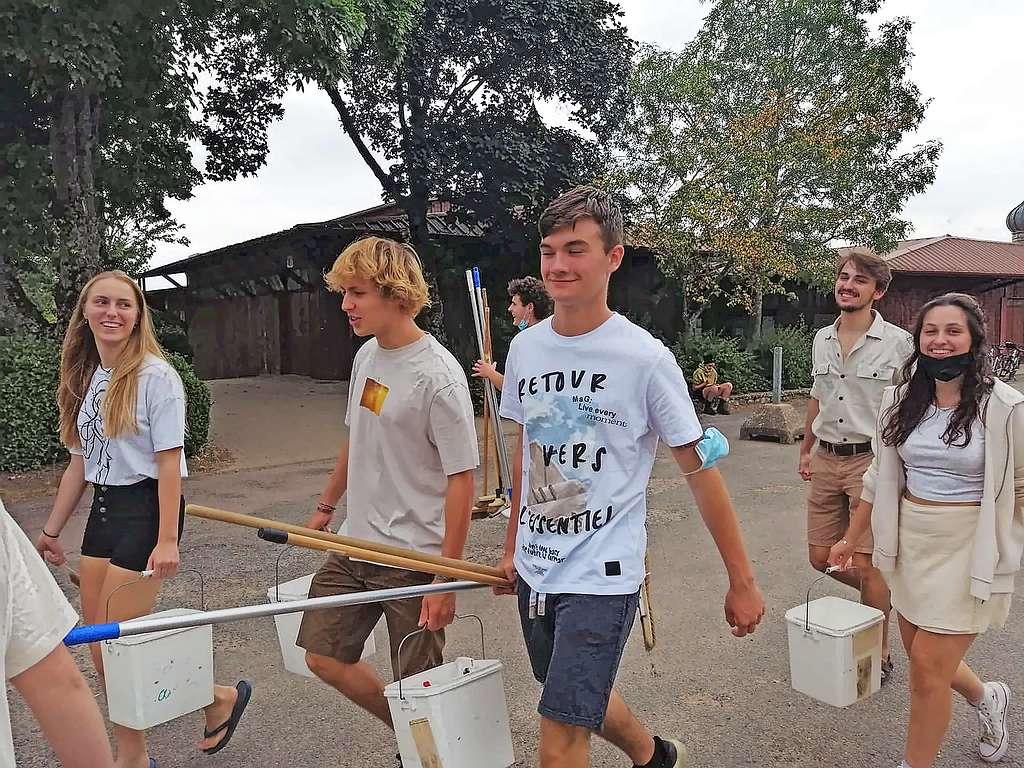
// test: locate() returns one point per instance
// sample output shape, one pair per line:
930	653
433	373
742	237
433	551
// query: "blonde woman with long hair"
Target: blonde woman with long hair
122	417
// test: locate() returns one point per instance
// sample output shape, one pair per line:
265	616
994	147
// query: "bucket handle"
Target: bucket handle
143	575
483	648
277	570
807	603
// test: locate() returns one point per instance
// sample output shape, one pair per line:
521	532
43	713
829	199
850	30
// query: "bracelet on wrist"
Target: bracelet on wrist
50	535
438	579
324	507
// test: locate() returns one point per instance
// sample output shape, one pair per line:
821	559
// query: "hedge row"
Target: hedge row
29	368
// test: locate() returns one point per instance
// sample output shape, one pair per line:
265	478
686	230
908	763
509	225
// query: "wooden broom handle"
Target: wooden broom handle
399	562
237	518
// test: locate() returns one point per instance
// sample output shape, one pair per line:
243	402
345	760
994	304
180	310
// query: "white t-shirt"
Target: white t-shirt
411	425
160	412
592	409
940	472
34	616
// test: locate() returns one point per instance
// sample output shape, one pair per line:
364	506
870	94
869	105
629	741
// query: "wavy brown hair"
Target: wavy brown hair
79	358
530	290
903	416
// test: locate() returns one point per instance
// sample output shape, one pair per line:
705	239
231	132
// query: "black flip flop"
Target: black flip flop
244	688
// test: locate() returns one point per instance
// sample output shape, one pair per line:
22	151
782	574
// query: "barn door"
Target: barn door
1012	320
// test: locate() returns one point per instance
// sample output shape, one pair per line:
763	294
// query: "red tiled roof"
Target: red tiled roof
947	254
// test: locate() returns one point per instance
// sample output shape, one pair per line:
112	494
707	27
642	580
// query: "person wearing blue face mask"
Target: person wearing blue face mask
530	303
943	497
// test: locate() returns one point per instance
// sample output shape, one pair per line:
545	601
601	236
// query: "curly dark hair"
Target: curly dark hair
530	290
905	414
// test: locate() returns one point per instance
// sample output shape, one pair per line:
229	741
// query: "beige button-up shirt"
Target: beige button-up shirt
849	392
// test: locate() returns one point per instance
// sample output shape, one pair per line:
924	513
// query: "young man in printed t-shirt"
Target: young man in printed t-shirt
408	467
593	394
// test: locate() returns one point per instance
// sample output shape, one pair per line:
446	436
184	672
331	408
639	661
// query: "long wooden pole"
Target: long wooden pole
487	413
359	553
237	518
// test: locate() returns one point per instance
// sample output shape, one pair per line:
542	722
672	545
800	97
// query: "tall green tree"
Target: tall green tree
455	117
108	96
776	132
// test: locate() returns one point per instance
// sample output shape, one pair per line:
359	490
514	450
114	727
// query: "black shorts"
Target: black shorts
124	523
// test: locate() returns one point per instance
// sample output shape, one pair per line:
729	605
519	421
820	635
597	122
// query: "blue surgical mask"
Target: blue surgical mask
711	449
522	325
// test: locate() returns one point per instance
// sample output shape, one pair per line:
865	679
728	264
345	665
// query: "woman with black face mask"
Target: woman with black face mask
944	499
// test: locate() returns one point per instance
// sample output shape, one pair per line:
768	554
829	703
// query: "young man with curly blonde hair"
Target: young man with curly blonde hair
408	468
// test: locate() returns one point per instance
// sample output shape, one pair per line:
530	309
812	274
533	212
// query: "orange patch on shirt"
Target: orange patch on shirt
373	396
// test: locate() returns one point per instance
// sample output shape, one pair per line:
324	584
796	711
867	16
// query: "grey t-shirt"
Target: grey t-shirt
411	425
160	413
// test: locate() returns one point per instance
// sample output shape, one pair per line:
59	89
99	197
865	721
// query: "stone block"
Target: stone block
780	421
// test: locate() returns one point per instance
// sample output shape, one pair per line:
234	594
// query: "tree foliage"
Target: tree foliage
101	103
777	131
455	116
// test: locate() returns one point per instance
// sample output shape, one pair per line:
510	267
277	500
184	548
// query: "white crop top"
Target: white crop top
940	472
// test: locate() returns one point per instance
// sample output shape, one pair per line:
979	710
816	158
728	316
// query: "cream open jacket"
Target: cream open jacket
999	539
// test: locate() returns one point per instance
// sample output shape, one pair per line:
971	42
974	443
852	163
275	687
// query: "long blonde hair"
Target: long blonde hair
79	358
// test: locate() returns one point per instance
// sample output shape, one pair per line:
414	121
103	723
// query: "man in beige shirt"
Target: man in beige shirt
853	360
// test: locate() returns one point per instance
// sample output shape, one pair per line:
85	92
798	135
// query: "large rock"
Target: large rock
778	420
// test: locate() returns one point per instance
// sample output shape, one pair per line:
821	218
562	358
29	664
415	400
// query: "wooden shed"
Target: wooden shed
261	307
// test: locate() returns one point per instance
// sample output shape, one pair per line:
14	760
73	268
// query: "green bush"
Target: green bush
171	333
29	371
197	404
734	364
796	342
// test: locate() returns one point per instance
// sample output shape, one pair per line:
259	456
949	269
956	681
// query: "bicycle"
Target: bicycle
1005	359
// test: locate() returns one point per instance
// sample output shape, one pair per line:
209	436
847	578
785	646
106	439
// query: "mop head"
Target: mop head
646	615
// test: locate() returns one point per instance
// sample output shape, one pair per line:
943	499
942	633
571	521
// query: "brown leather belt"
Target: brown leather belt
845	449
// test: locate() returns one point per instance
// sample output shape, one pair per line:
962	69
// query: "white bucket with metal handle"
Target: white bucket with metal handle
454	715
835	649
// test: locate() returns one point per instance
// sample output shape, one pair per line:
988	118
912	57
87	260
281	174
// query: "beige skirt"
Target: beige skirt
931	584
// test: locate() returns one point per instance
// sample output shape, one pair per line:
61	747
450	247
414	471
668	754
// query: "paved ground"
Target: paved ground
729	699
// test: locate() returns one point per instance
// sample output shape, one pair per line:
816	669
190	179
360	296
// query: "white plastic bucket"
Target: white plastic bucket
288	625
835	650
158	676
455	712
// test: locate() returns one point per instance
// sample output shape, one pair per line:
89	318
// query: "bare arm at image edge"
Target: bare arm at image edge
58	696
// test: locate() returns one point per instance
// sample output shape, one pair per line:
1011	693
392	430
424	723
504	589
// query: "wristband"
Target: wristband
444	579
50	535
323	507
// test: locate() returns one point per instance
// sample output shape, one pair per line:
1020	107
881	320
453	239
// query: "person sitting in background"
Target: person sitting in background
530	304
707	386
34	618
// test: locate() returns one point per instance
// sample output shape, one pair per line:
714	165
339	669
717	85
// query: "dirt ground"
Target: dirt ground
728	698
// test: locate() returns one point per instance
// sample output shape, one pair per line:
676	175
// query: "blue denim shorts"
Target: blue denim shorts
575	647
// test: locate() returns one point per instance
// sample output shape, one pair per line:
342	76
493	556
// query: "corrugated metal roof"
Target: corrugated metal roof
958	256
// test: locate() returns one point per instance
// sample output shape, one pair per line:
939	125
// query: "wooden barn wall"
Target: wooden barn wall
299	333
908	293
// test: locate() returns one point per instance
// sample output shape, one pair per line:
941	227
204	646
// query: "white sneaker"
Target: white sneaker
994	737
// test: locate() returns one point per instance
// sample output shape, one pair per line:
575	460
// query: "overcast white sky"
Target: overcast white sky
968	60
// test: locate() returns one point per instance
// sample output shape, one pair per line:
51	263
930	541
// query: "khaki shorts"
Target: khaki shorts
340	633
835	491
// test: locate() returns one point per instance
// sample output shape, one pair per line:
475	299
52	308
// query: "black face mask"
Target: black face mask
945	368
